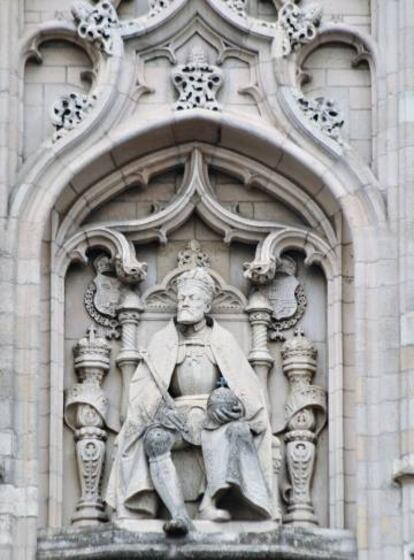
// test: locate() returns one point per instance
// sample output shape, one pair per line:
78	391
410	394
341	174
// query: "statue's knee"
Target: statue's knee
158	441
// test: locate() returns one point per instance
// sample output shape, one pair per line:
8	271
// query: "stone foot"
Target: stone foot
211	513
178	526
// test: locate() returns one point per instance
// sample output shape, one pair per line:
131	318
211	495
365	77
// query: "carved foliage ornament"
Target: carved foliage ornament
287	298
238	6
323	113
157	6
299	25
69	111
197	83
96	23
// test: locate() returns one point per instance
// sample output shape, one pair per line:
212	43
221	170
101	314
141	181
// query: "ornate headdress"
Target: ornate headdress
199	277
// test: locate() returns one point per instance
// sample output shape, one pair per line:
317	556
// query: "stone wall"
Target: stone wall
274	171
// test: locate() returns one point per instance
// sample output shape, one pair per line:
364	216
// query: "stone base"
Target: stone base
115	543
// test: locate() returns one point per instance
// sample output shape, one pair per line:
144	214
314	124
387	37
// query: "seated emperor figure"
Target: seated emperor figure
194	387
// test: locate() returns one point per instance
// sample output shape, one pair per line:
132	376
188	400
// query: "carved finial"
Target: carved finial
197	83
193	256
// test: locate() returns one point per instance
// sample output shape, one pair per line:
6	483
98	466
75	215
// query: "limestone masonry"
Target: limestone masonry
207	279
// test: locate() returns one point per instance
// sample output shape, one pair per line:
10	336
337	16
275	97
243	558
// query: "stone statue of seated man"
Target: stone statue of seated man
193	388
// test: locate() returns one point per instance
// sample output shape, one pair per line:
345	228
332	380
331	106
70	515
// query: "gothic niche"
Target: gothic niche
200	370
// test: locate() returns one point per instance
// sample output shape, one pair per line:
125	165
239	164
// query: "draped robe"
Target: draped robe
130	483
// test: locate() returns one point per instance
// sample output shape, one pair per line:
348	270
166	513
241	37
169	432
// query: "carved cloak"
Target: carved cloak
130	481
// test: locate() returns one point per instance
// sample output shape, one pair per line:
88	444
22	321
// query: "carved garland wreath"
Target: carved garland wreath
277	326
111	326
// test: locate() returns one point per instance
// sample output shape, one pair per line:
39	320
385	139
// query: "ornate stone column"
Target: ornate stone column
260	312
305	418
129	313
85	413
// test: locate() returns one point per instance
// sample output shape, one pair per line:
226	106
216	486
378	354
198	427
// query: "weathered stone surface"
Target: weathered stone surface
257	182
281	544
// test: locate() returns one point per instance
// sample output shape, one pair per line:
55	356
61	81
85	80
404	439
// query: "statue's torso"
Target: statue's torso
196	372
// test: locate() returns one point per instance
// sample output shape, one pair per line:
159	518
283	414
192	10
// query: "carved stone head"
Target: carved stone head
195	293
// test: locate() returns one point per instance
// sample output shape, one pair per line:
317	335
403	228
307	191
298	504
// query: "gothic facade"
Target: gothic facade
269	145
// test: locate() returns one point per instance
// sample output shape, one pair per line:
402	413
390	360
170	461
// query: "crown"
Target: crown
92	351
286	265
193	256
299	348
199	277
103	264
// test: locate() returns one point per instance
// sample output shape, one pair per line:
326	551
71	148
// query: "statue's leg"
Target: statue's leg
215	459
157	444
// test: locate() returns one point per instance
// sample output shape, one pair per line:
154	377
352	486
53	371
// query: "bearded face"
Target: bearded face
193	304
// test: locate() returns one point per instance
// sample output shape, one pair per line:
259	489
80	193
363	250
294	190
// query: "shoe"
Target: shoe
178	527
211	513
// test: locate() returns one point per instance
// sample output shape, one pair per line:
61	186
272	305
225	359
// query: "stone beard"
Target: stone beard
195	392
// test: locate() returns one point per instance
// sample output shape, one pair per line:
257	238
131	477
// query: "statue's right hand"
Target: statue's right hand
170	418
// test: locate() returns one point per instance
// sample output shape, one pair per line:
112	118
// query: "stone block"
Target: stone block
283	544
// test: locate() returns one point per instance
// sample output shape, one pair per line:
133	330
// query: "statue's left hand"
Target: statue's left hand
222	414
224	406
